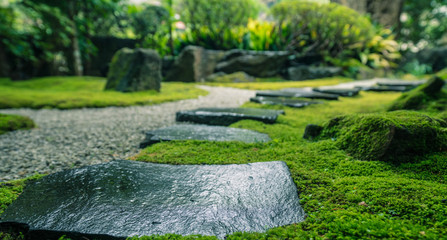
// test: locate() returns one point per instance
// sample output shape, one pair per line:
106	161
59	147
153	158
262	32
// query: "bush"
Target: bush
14	122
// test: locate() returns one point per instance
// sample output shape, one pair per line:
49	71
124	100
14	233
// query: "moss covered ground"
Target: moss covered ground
80	92
344	197
14	122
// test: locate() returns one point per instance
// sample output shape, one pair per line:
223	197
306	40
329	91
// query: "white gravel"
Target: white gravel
71	138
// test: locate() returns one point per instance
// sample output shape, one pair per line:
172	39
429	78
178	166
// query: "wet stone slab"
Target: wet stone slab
387	89
289	93
289	102
203	132
119	199
344	92
400	83
227	116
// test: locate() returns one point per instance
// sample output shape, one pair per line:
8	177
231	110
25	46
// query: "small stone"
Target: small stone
363	204
312	131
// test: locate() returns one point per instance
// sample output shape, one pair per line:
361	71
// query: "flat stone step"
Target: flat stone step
289	102
227	116
120	199
344	92
400	83
289	93
386	89
203	132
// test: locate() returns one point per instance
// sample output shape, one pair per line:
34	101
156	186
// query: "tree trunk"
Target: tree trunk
385	12
74	48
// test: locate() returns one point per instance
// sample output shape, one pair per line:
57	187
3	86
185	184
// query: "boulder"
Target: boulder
311	72
421	97
236	77
194	64
393	137
255	63
134	70
204	133
227	116
121	199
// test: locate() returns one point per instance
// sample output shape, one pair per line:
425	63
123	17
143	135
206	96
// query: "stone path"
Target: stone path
66	139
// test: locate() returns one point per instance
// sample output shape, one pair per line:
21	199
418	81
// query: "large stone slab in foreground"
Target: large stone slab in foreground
227	116
125	198
203	132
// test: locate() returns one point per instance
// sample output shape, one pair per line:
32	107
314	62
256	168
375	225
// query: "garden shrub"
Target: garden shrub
393	137
14	122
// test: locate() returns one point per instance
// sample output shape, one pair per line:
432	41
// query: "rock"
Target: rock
227	116
221	77
194	64
295	93
312	131
399	83
386	89
296	103
204	133
345	92
395	137
134	70
436	58
420	98
120	199
255	63
311	72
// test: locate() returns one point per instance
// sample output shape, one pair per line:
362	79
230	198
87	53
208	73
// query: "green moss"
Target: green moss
395	136
80	92
14	122
400	201
429	97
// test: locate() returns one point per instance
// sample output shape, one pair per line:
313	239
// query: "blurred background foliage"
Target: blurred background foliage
43	31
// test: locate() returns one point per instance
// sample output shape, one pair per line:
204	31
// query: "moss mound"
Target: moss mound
428	96
14	122
393	137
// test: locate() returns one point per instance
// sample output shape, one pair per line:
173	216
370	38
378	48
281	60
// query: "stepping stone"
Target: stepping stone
296	103
400	83
120	199
296	94
386	89
345	92
203	132
227	116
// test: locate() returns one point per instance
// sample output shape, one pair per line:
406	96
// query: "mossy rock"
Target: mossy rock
393	137
428	96
14	122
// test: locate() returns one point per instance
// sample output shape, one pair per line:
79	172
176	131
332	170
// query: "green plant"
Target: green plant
14	122
417	69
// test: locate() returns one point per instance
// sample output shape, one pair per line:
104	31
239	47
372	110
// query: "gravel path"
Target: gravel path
71	138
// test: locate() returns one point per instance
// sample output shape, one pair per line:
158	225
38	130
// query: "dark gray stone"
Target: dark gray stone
203	132
312	131
400	83
296	103
386	89
311	72
134	70
255	63
227	116
194	64
125	198
344	92
296	94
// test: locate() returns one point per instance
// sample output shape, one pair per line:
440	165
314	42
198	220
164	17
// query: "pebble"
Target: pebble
66	139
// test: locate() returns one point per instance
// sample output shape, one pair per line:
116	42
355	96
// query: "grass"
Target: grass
276	84
80	92
344	198
14	122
